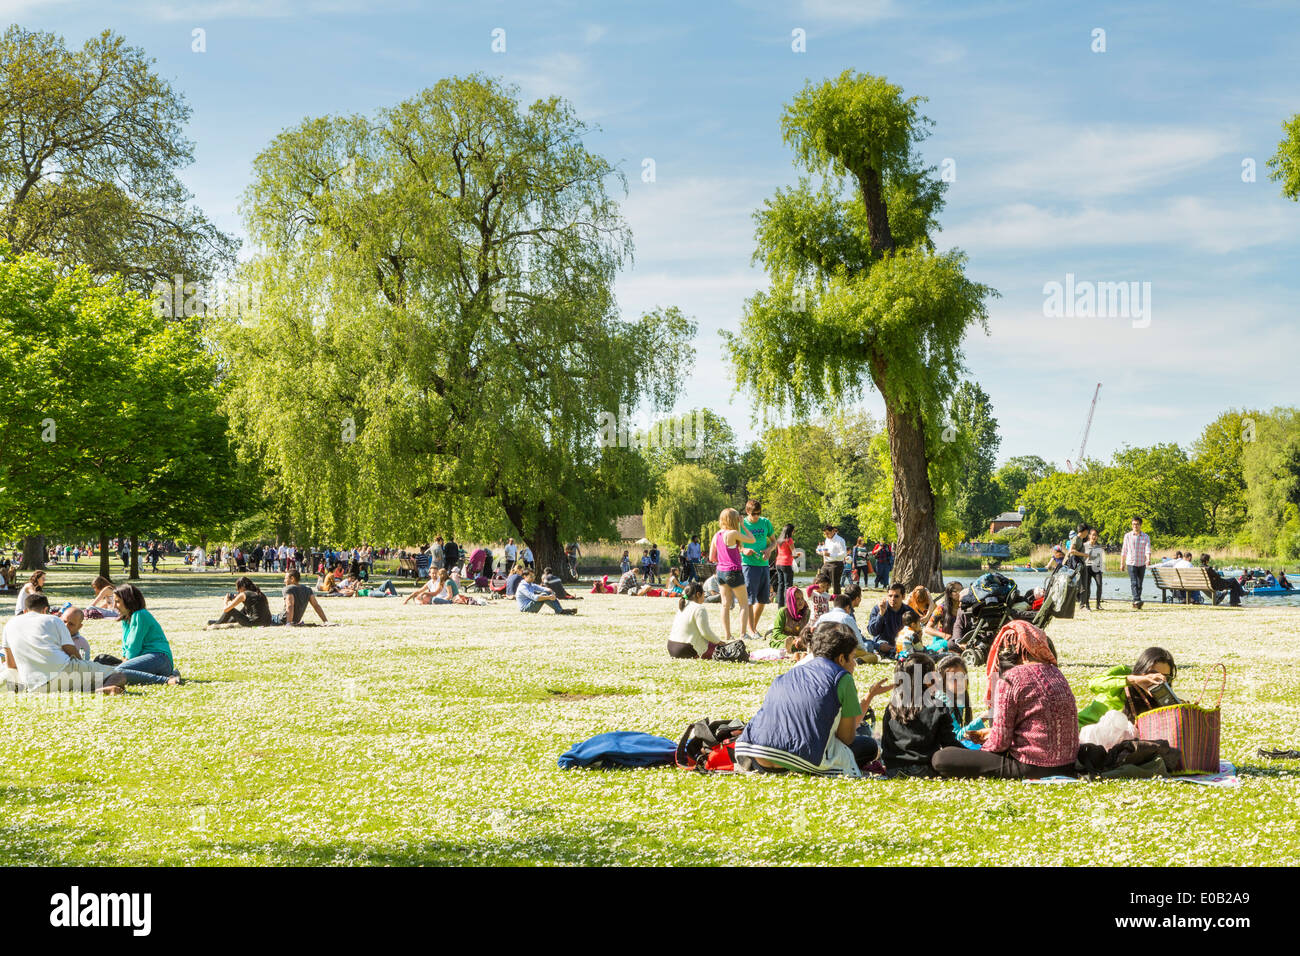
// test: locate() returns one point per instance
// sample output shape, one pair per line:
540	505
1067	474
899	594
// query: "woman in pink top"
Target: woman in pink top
724	551
1035	727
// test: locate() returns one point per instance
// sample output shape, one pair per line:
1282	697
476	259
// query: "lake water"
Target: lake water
1114	587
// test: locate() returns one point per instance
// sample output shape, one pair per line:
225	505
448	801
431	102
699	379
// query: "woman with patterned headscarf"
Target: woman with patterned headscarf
1034	730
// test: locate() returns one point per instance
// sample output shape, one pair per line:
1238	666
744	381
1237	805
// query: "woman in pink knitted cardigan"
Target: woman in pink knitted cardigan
1034	730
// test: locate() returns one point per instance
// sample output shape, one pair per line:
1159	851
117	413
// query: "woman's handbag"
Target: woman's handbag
733	652
1190	728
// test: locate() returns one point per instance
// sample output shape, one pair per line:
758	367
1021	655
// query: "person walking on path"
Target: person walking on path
1135	555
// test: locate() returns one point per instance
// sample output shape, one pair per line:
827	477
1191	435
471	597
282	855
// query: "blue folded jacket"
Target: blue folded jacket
620	748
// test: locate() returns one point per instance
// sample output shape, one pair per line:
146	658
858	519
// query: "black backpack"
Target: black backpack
733	652
709	745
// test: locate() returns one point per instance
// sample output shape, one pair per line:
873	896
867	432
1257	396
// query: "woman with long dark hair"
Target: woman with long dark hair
692	636
785	560
1131	689
256	609
146	655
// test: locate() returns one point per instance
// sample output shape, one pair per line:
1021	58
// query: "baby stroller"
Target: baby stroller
477	569
497	585
990	602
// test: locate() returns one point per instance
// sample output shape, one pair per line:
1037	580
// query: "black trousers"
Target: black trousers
960	762
836	571
784	579
1088	577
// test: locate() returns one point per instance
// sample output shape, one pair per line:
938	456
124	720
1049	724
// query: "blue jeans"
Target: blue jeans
535	606
151	668
1136	575
387	588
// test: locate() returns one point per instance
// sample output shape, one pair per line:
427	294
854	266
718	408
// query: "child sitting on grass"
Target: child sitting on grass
952	669
918	721
809	721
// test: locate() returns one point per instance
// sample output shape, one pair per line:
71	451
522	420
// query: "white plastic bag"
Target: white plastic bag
1113	729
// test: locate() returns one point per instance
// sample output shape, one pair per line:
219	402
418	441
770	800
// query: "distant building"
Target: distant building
631	528
1008	519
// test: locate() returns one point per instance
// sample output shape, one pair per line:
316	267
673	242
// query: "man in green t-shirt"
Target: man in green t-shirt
754	562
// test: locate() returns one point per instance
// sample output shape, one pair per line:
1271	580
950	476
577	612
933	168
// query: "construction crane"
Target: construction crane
1087	427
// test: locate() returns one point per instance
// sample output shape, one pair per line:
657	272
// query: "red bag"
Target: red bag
709	746
1190	728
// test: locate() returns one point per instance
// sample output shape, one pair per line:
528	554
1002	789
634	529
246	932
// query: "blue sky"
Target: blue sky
1115	166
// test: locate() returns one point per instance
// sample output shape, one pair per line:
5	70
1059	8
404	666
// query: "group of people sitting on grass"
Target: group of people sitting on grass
45	651
813	721
898	624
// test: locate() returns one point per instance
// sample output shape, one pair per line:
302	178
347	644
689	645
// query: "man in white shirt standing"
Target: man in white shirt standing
39	646
1135	555
833	552
511	551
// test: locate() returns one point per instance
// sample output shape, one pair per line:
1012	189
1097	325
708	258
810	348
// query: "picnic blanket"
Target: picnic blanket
1226	777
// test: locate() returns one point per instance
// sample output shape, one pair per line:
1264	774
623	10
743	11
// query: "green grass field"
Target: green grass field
412	735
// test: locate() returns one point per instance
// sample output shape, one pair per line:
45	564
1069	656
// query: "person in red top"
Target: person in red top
1034	731
785	559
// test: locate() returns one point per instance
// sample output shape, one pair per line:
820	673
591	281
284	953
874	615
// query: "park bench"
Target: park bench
405	567
1186	580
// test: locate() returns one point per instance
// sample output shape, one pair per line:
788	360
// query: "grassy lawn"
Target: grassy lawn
413	734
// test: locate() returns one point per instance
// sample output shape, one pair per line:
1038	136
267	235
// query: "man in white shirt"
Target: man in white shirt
39	647
842	613
833	552
512	553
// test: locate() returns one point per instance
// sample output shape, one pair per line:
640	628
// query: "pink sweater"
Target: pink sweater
1035	717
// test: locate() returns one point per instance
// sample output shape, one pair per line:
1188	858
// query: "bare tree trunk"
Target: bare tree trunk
548	550
917	557
135	558
34	552
104	570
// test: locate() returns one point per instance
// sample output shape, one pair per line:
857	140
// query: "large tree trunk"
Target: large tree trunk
548	549
34	552
104	569
916	556
135	558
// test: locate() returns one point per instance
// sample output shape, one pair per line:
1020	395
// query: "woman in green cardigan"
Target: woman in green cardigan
146	655
1154	666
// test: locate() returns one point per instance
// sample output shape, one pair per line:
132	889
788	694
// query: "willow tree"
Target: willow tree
859	298
435	335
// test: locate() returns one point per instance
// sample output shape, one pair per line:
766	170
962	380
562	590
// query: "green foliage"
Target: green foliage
1271	469
90	144
1015	476
690	498
439	336
1285	164
818	472
129	439
976	499
1217	456
699	437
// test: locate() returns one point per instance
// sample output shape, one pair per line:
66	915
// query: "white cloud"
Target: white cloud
1213	226
593	33
691	221
851	11
1069	161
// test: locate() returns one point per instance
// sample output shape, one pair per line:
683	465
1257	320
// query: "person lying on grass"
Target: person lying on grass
810	718
533	597
42	656
1130	688
556	584
146	655
692	636
1034	729
297	598
247	607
